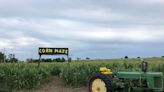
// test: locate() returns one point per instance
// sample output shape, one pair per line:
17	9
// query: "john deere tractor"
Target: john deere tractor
107	81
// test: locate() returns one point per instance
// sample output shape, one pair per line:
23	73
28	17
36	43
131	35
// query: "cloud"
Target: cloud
21	41
4	43
67	29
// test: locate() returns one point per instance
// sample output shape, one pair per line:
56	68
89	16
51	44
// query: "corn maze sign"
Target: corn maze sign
53	51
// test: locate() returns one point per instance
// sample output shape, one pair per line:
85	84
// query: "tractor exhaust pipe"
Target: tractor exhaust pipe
144	66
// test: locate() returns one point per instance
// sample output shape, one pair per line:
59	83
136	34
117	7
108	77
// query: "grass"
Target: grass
17	76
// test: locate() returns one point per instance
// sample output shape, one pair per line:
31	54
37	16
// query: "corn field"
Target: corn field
18	76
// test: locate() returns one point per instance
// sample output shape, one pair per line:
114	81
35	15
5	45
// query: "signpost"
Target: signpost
52	51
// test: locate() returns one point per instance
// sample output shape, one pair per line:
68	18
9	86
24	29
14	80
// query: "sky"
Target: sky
89	28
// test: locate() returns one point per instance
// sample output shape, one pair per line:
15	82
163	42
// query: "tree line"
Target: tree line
9	58
46	60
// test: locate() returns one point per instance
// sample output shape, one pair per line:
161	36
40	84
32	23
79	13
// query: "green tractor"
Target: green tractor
107	81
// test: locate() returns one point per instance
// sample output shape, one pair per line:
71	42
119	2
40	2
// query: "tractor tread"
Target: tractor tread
103	77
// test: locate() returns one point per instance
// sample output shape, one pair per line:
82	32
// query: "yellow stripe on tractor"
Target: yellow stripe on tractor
105	70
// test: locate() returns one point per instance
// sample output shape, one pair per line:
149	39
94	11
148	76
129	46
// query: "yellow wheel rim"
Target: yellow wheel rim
98	85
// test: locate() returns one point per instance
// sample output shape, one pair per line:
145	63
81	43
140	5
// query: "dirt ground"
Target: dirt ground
56	85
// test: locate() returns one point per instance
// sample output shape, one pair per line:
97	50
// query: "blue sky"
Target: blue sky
89	28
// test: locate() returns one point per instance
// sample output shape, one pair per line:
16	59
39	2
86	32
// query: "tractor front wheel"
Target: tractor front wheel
100	83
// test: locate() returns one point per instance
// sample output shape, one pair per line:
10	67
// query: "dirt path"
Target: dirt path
56	85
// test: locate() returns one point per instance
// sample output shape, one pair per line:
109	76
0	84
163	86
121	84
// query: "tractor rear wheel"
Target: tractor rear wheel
100	83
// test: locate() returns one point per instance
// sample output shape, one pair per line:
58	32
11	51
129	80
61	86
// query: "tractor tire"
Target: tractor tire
100	83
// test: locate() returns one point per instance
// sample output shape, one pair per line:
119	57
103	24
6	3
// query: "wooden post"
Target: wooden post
67	58
39	60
